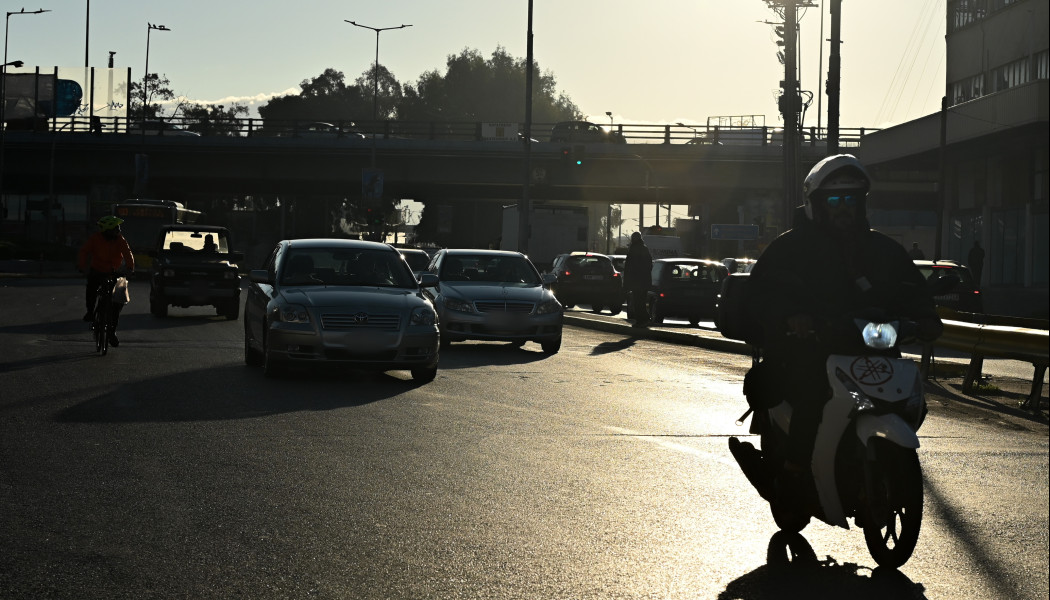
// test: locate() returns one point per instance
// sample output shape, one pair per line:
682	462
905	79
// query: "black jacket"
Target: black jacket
638	266
807	271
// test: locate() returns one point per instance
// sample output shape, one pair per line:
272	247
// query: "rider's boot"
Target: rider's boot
753	464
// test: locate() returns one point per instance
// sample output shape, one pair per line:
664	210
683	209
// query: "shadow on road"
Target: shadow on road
617	346
471	354
235	392
792	571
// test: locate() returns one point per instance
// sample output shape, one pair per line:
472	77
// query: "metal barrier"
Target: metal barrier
1014	338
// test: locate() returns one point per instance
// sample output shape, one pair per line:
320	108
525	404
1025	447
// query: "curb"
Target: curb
699	339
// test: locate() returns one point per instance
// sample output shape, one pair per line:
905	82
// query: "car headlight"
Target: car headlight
424	315
880	335
458	305
293	313
548	307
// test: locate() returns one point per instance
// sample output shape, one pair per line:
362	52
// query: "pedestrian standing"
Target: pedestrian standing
975	261
637	277
916	252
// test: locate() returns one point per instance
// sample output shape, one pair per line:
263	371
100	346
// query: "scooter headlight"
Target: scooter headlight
880	335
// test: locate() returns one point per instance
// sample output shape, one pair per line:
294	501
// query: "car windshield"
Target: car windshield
417	261
346	266
940	271
690	274
490	269
589	264
196	241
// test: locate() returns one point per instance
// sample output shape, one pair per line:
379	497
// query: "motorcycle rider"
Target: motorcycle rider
830	265
100	256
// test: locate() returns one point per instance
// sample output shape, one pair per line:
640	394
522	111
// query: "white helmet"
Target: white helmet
836	172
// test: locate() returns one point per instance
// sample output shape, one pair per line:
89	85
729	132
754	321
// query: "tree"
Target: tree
214	119
476	89
386	97
323	98
157	88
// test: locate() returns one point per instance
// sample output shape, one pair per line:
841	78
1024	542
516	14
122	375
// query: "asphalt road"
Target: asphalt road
169	469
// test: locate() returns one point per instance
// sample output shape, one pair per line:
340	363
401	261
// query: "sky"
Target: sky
661	61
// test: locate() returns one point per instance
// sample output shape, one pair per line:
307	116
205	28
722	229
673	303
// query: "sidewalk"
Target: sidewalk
38	268
1005	387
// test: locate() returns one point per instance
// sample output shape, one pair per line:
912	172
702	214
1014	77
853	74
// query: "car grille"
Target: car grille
361	320
487	306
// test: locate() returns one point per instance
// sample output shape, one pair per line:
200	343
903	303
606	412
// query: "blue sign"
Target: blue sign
734	232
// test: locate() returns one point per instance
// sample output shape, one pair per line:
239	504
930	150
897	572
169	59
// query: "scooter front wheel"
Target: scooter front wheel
893	510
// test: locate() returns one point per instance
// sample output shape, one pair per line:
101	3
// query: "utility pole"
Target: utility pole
834	77
790	102
525	206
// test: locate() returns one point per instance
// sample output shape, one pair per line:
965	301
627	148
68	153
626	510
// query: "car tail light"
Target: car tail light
616	274
977	292
662	295
568	273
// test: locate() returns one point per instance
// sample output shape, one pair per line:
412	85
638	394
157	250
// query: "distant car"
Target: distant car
194	265
417	259
584	132
348	303
588	278
323	129
495	295
685	288
739	265
159	127
963	294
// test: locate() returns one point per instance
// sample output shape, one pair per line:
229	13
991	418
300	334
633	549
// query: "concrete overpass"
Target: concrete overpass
75	163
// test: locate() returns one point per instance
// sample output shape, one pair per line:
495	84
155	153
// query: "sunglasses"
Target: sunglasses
848	200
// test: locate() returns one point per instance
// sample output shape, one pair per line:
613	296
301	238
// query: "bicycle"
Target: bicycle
103	312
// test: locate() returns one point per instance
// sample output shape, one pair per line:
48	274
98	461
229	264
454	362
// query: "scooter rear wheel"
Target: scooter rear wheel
894	504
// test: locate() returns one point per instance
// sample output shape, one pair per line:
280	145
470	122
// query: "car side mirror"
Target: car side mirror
428	280
236	256
260	276
549	279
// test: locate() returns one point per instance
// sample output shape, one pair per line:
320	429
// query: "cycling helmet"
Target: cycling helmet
109	223
840	172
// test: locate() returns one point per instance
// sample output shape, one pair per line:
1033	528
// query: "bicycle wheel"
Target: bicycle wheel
97	328
103	327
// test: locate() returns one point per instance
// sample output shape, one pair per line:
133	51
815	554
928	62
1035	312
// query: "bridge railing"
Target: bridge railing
637	133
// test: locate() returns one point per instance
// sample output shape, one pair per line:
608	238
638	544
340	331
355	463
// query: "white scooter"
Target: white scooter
865	464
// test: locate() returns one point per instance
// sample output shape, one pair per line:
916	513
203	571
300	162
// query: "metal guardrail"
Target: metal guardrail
983	336
701	135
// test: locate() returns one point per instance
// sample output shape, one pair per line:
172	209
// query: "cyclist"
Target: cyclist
101	255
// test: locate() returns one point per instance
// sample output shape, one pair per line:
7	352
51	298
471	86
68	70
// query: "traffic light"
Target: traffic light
573	155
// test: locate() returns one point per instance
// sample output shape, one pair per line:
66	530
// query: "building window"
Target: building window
967	89
1041	65
1010	75
964	12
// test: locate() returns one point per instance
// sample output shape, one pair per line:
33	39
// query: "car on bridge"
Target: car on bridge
584	132
159	127
347	303
493	295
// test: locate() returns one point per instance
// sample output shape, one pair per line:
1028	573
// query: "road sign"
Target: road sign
371	185
734	232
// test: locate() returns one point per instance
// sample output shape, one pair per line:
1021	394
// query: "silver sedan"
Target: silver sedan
347	302
493	295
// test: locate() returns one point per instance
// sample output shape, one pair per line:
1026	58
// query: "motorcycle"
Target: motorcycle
865	464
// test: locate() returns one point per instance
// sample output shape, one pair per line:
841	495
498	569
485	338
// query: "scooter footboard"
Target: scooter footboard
889	427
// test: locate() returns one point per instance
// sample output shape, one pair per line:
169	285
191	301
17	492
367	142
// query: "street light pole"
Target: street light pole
145	77
3	90
375	72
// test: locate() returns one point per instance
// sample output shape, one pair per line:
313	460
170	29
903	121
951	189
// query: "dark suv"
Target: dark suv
194	266
588	278
963	294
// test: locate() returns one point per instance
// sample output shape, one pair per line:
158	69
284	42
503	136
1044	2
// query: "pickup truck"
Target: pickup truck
194	266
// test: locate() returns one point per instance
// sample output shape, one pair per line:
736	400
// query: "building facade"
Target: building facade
978	170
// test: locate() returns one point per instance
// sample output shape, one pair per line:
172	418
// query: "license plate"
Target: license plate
948	298
594	277
501	322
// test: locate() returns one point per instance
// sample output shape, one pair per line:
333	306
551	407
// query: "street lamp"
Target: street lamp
375	73
609	114
3	86
145	77
680	124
